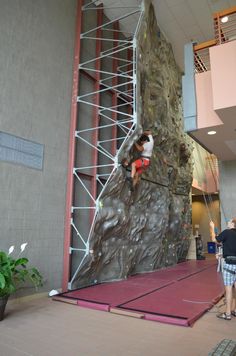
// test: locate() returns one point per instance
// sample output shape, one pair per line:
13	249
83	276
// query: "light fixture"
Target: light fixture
224	19
211	132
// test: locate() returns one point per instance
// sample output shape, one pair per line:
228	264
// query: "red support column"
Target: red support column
95	136
129	68
114	94
70	176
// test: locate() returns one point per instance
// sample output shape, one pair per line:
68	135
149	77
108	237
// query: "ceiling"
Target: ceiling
183	21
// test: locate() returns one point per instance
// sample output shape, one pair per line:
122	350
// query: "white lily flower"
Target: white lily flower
23	246
11	249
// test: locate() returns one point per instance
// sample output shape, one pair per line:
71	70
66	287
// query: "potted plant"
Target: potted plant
14	272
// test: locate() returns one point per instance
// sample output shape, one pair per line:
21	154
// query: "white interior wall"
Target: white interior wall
227	170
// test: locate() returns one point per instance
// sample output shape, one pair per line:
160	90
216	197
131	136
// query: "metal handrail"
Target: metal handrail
224	32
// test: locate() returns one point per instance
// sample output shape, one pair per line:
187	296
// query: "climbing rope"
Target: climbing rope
216	179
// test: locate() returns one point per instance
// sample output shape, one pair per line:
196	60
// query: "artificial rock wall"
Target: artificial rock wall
149	228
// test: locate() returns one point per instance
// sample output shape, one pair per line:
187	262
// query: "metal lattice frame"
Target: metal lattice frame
118	116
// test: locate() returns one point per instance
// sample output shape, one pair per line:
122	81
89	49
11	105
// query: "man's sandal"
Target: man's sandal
224	316
233	313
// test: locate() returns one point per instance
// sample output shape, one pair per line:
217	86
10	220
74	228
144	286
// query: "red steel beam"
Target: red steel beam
130	53
110	90
114	95
72	144
95	135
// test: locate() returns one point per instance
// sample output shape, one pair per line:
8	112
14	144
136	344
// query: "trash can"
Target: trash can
211	247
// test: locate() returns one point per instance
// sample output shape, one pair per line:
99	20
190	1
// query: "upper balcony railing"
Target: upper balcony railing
225	31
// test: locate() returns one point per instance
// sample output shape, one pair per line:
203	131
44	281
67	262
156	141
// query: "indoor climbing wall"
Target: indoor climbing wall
149	228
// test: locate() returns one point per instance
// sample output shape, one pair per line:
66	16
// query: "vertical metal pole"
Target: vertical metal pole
129	69
219	29
71	161
95	136
114	94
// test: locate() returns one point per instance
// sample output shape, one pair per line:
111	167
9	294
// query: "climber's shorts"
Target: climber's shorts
141	164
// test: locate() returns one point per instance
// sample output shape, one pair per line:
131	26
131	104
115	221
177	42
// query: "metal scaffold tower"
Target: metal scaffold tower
103	117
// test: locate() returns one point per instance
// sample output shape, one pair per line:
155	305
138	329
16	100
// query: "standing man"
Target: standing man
145	147
228	239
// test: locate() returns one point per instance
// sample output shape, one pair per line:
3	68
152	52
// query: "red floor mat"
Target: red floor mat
186	299
118	292
177	295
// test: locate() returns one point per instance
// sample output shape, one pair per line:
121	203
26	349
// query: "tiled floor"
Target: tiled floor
44	327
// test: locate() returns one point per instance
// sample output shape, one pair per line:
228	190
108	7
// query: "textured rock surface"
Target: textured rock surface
149	228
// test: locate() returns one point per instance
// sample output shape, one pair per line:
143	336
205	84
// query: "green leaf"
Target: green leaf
3	256
21	261
2	281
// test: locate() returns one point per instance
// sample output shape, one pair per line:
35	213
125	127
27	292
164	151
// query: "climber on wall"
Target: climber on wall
145	146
